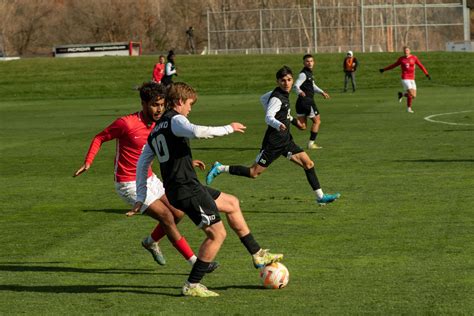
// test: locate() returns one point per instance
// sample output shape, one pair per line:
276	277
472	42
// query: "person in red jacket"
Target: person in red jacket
131	132
407	64
159	70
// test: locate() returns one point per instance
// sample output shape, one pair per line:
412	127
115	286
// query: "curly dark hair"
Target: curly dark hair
150	91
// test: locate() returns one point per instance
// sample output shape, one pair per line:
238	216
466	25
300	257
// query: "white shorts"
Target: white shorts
128	191
408	84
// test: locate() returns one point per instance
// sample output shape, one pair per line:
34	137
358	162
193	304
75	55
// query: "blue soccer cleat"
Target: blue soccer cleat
328	198
214	172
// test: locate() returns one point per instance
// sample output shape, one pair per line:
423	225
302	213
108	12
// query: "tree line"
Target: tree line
34	27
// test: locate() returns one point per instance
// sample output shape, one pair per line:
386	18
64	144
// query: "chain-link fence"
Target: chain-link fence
361	25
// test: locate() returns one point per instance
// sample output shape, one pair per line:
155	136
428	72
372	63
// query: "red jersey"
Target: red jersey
408	66
131	133
158	72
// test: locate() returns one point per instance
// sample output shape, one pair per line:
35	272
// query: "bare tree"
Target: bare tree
24	24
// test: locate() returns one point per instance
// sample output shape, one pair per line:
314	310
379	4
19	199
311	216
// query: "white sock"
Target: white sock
192	260
319	193
148	240
223	168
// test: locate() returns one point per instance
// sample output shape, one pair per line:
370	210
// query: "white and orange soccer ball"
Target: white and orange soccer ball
274	276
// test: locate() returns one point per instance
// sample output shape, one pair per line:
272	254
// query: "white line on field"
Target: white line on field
429	118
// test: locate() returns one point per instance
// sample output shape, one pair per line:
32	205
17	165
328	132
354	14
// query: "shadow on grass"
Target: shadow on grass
38	268
109	210
245	287
435	160
281	212
102	288
227	148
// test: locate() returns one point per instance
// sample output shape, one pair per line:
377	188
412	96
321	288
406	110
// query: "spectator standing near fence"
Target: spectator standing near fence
349	66
190	37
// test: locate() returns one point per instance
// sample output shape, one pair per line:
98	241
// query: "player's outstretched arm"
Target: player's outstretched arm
238	127
182	127
81	170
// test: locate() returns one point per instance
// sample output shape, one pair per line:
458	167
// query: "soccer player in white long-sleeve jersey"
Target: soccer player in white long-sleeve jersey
169	142
131	132
278	140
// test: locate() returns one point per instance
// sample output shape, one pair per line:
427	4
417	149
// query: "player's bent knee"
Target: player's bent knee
254	174
233	202
308	164
216	232
166	218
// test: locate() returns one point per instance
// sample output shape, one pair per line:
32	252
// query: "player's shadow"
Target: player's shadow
227	148
101	288
245	287
278	212
435	160
108	210
41	268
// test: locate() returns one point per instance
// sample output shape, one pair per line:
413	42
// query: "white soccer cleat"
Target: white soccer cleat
197	290
409	110
314	146
155	251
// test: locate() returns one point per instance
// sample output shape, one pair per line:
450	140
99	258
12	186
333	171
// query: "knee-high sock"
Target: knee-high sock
409	101
198	271
158	233
312	179
183	247
250	243
240	171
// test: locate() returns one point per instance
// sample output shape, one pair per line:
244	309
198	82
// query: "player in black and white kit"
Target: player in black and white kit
170	69
169	142
305	88
278	140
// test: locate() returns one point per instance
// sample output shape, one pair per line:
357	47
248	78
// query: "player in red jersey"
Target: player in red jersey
131	132
159	69
407	63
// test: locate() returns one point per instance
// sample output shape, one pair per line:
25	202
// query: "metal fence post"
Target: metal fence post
315	30
208	34
362	24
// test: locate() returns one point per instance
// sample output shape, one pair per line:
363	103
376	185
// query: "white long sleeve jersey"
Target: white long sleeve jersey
181	127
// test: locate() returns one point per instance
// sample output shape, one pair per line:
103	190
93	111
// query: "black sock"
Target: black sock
250	243
198	271
313	135
312	179
240	171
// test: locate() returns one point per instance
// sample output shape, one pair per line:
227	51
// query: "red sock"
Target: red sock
409	100
158	233
183	247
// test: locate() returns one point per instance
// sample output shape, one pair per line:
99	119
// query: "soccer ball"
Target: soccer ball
274	276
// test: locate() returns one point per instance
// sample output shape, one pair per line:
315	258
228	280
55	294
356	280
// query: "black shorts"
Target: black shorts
305	106
269	154
201	207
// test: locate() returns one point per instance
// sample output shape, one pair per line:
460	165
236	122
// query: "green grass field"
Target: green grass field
399	241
